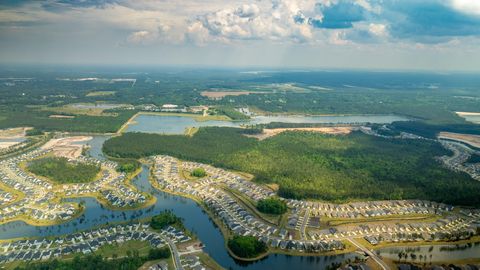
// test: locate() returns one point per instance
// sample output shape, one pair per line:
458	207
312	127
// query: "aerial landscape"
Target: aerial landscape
269	134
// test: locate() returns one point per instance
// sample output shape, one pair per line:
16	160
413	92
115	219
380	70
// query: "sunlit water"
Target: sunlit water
177	124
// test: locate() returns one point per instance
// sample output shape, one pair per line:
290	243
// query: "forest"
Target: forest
61	171
316	166
430	98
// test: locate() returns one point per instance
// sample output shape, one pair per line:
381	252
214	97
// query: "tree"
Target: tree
272	206
246	246
198	172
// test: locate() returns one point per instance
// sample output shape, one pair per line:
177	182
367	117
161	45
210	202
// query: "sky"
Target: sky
349	34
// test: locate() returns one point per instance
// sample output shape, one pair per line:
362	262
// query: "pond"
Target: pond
177	124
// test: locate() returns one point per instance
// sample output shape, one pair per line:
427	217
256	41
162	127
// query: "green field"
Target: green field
39	118
61	171
316	166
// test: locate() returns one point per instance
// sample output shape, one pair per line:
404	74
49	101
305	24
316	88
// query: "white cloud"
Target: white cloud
467	6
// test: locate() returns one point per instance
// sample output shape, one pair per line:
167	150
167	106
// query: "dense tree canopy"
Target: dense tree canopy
272	206
165	219
60	170
246	246
313	165
198	172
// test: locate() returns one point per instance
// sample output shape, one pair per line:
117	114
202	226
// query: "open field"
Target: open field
473	140
13	133
67	147
267	133
222	94
100	93
61	116
70	109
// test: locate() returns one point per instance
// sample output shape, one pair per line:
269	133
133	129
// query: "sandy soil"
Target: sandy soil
267	133
7	144
219	95
473	140
468	113
61	116
13	133
66	147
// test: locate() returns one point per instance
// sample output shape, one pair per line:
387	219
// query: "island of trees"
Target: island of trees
165	219
198	172
272	206
246	246
58	169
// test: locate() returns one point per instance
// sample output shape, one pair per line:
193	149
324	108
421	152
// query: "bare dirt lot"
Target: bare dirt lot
473	140
67	147
13	133
222	94
61	116
267	133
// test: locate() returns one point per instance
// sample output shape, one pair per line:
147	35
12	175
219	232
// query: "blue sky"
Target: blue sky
377	34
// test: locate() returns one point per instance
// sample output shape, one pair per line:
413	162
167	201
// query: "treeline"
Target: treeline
96	262
317	166
18	116
60	170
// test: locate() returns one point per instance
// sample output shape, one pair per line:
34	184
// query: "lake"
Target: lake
166	124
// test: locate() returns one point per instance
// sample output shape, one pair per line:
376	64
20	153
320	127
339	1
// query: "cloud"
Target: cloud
338	22
340	15
429	21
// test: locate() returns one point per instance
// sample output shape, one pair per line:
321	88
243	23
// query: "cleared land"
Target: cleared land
67	147
473	140
222	94
71	109
100	93
61	116
267	133
13	133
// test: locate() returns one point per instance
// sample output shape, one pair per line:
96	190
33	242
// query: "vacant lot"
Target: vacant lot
100	93
267	133
222	94
473	140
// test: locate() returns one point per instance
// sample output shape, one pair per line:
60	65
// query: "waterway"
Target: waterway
434	253
195	219
177	124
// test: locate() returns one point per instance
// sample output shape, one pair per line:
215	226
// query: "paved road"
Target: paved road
304	224
175	254
374	256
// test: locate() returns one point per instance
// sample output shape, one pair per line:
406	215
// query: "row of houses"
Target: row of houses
86	242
